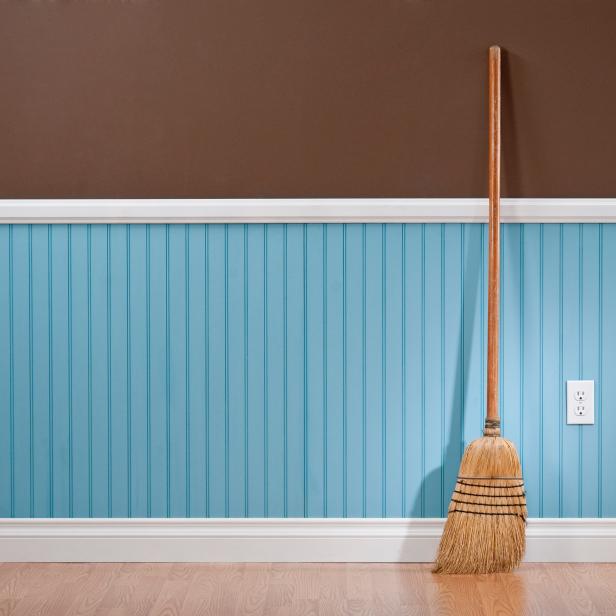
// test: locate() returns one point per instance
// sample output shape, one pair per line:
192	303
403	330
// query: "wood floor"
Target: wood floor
302	589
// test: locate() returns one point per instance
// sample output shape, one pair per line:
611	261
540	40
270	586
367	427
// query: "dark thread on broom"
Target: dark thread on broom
490	495
482	485
465	502
464	478
517	515
520	495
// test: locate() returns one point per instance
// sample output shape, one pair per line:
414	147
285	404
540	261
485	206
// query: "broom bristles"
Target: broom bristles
485	528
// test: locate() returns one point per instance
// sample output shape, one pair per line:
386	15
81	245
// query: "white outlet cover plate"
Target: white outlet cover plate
580	411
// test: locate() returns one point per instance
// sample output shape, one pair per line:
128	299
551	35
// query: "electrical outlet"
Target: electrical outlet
580	402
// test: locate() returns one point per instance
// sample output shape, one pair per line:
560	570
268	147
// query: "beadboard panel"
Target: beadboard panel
295	370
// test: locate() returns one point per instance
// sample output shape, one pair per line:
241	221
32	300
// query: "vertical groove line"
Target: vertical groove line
50	364
11	373
285	374
70	371
265	381
345	495
167	374
542	367
443	267
31	369
600	387
462	357
148	376
580	359
404	404
560	370
305	392
109	415
522	345
246	368
187	361
501	335
363	369
423	369
129	457
384	370
206	376
325	508
226	371
89	267
482	312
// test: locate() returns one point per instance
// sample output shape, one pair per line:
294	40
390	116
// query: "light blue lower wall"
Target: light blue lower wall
300	370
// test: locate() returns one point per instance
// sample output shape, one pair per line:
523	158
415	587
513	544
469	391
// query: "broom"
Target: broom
485	528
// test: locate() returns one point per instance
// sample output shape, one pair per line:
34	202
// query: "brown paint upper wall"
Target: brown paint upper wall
314	98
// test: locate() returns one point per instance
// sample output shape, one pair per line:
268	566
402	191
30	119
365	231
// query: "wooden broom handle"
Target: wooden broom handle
492	418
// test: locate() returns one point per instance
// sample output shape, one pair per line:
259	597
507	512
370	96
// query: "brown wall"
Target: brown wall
235	98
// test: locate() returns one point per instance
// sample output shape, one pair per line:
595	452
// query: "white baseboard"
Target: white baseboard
279	540
300	210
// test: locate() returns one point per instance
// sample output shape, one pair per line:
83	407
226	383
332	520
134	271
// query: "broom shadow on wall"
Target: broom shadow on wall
441	480
443	477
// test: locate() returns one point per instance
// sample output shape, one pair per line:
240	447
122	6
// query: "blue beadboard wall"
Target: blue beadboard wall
300	370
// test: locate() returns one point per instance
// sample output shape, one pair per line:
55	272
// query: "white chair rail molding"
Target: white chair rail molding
301	210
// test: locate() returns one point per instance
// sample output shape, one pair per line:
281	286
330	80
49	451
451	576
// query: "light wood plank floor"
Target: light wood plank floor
300	589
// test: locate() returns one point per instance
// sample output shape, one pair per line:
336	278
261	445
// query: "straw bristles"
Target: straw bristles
485	528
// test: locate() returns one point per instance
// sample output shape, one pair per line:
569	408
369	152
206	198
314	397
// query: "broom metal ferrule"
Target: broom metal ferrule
492	427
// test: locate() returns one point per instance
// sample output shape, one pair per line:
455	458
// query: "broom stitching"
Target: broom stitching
481	485
466	486
464	502
463	478
488	487
490	495
518	515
